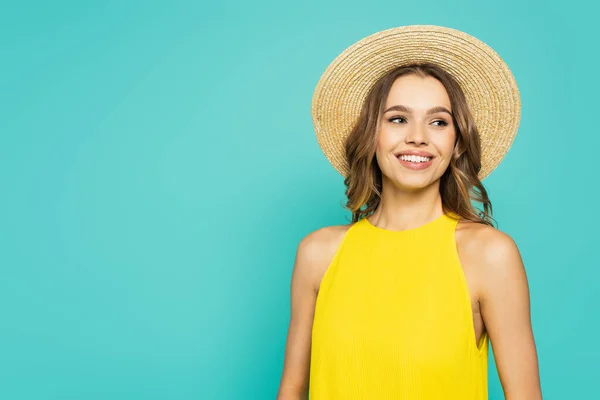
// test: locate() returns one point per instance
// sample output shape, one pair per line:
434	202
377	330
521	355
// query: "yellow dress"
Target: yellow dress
393	319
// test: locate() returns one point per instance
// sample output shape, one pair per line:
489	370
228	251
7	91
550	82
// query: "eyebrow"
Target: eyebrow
406	109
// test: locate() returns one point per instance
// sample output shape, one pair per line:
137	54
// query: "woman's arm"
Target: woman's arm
313	256
505	308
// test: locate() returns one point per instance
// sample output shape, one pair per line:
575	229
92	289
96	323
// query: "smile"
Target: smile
415	162
414	158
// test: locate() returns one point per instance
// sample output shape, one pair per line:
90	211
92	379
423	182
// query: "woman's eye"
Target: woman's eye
395	118
402	119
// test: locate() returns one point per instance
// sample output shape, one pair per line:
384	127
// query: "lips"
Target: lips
414	162
414	153
413	158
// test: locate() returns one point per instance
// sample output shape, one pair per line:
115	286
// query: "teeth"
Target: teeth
414	158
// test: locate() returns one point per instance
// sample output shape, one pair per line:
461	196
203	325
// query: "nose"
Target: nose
417	135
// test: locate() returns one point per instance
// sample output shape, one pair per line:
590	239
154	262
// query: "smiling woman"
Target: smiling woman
402	302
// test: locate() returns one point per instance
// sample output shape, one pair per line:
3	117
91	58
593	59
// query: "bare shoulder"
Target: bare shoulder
484	243
318	248
489	257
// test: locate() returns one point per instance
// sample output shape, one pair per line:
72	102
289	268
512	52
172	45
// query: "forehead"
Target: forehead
417	92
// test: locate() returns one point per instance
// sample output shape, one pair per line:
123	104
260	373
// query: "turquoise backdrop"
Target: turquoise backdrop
158	168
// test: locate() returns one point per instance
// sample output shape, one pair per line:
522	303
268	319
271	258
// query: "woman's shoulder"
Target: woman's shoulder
483	242
481	233
324	241
494	267
318	247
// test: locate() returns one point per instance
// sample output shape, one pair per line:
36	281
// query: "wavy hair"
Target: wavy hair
459	185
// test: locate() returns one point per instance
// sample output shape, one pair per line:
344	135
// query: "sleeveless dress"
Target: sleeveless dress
393	319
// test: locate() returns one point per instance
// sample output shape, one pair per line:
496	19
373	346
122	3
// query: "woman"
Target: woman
401	303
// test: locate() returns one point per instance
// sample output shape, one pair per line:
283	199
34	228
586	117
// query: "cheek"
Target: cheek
384	140
449	149
384	146
446	144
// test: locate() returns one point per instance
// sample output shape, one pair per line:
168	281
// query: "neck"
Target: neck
402	209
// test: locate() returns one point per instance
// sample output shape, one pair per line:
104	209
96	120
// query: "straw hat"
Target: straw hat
487	82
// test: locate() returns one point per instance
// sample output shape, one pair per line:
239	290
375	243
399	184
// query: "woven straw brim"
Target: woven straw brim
487	82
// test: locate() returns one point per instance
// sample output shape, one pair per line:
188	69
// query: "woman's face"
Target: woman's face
417	134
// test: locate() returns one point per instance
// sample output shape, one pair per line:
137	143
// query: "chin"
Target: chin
412	186
413	181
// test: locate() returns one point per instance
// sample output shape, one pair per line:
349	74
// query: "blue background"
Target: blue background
159	167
